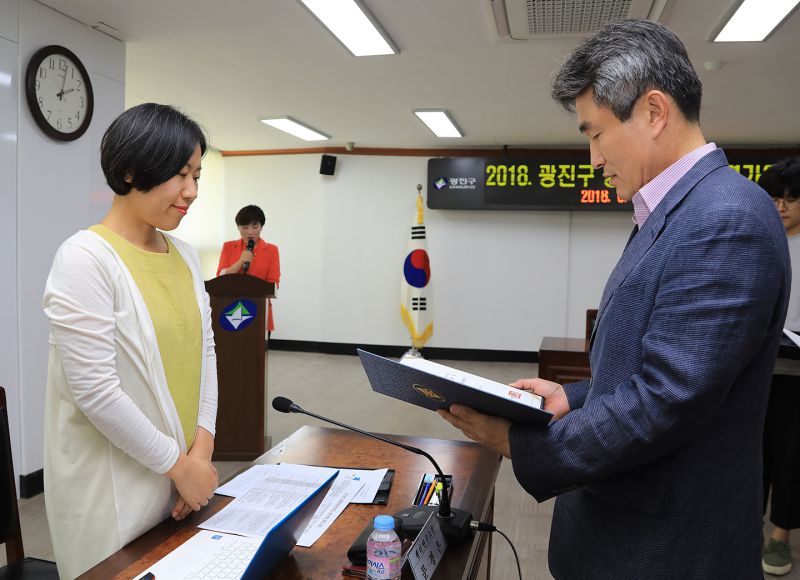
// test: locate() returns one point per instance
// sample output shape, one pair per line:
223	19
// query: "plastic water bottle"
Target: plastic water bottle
383	550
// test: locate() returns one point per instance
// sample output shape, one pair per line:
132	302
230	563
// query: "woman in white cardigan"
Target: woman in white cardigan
132	383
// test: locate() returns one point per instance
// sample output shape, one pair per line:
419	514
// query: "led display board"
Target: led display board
559	181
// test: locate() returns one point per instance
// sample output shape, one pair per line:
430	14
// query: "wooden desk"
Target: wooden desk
474	471
564	360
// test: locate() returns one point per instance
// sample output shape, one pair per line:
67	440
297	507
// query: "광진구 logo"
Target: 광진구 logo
238	315
440	183
428	392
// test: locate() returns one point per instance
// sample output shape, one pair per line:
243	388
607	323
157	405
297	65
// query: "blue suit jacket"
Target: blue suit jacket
658	465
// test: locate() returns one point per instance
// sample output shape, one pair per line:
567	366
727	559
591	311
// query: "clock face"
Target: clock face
59	93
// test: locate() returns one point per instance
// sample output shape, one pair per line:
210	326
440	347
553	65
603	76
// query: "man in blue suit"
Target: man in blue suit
657	459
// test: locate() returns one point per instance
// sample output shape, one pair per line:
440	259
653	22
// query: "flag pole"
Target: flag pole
414	351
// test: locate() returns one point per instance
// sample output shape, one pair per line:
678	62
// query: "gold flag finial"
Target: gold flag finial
419	204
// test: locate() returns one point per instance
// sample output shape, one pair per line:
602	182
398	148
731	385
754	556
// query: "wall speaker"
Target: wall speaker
328	165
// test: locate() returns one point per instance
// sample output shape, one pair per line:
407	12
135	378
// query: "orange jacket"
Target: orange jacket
266	265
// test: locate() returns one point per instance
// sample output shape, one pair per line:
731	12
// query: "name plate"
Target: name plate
427	550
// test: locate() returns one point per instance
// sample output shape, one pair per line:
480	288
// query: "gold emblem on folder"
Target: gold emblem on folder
430	393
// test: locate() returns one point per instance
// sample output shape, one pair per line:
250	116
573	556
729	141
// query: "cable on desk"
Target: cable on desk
484	527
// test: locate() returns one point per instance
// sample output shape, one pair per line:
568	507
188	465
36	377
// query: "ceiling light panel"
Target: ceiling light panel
754	20
295	128
353	25
439	122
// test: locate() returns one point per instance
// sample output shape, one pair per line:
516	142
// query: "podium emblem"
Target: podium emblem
238	315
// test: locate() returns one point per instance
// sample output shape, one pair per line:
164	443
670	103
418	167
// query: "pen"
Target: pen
421	491
429	493
424	495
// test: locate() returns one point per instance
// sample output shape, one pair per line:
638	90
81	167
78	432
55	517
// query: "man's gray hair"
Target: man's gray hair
622	61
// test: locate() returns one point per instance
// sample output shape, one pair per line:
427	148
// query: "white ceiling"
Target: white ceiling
230	63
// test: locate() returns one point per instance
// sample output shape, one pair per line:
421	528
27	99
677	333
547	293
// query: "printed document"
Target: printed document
281	490
242	483
340	495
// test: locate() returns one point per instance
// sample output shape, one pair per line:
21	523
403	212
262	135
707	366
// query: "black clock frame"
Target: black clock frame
30	92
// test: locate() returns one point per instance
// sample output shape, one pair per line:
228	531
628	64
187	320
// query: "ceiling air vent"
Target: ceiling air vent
541	19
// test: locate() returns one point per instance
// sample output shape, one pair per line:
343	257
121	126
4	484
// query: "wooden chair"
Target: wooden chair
19	567
591	319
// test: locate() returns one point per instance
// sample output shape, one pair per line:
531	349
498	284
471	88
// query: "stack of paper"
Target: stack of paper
265	494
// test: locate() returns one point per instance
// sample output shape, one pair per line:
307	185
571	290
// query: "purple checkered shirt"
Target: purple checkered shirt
646	199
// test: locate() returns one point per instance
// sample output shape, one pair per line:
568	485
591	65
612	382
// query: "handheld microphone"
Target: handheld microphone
251	243
455	522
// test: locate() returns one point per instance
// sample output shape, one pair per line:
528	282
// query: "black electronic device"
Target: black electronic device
550	180
455	523
547	183
328	165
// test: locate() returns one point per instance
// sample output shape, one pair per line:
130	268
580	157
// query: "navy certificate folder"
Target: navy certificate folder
433	392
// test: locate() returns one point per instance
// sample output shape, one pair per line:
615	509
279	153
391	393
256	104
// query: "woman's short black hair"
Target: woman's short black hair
782	179
147	145
249	214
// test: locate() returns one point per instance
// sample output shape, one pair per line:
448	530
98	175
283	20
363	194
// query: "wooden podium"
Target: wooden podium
238	312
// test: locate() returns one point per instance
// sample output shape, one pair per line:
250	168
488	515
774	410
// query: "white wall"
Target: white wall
501	279
51	191
204	225
9	87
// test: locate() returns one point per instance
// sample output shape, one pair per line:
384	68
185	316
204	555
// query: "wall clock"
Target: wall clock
59	93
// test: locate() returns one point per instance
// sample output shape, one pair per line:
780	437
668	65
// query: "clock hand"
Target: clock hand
60	94
67	91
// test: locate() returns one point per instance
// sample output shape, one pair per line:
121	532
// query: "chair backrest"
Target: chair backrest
10	532
591	318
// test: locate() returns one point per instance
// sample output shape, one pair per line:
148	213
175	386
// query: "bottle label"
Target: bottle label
383	563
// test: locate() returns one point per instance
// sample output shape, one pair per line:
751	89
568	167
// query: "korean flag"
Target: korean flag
415	288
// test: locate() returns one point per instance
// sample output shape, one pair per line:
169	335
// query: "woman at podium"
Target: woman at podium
131	400
250	254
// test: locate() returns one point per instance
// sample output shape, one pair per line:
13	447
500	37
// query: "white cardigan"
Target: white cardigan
111	427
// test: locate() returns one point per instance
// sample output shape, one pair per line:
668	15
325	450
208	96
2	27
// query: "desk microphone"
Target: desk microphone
455	522
251	243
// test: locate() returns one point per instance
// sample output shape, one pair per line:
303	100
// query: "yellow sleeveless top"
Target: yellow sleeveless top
166	286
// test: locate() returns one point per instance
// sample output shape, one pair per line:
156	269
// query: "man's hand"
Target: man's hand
555	399
490	431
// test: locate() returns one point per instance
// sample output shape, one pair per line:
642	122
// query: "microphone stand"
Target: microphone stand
455	522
